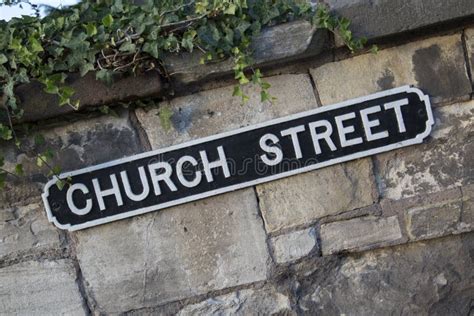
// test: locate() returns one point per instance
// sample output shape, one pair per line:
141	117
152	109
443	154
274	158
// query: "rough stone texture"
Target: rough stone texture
39	105
307	197
76	145
359	234
467	215
433	222
294	245
245	302
26	230
175	253
469	38
385	17
288	41
40	288
435	65
443	162
423	278
202	114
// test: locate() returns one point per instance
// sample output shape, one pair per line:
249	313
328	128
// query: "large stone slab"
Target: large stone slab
305	198
215	111
359	234
422	278
265	301
280	43
443	162
435	65
40	288
25	230
76	145
175	253
386	17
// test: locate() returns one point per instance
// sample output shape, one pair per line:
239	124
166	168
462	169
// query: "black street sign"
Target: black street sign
245	157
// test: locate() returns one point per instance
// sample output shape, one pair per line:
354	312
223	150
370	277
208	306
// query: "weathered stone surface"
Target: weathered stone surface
443	162
26	230
467	215
423	278
359	234
294	245
433	222
40	288
284	42
386	17
435	65
245	302
175	253
39	105
469	38
215	111
76	145
310	196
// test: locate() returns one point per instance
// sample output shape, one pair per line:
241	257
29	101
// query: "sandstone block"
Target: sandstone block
435	65
244	302
469	38
175	253
294	245
424	278
307	197
26	230
359	234
40	288
444	162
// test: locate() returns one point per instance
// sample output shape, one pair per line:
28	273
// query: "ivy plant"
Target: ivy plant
114	36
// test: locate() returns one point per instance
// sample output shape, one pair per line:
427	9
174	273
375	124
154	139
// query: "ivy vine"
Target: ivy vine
114	36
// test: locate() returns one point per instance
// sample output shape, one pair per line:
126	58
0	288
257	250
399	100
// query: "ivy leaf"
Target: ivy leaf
39	140
230	9
91	29
108	20
152	49
3	59
35	45
264	96
105	76
60	184
5	132
127	47
165	115
19	169
188	38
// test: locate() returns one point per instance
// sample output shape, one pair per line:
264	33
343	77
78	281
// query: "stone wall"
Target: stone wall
388	234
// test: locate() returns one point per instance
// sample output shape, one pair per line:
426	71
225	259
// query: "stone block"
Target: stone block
424	278
294	245
76	145
425	223
280	43
359	234
215	111
307	197
40	288
467	215
175	253
25	230
442	163
435	65
374	19
469	38
265	301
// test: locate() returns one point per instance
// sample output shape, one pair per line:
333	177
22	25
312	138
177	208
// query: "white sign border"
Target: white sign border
417	140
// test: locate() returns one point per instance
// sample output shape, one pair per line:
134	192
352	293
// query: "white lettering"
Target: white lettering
344	130
270	149
103	193
326	135
156	178
293	132
128	190
369	124
70	200
221	162
396	106
179	172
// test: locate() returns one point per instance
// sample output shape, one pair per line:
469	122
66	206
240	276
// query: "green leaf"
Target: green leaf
3	59
127	47
108	20
165	115
5	132
152	49
230	9
237	91
19	169
264	96
60	184
39	140
35	45
91	29
105	76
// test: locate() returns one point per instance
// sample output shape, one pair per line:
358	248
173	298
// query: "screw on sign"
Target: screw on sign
229	161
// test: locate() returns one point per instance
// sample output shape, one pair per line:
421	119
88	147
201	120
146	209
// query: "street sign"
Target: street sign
241	158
